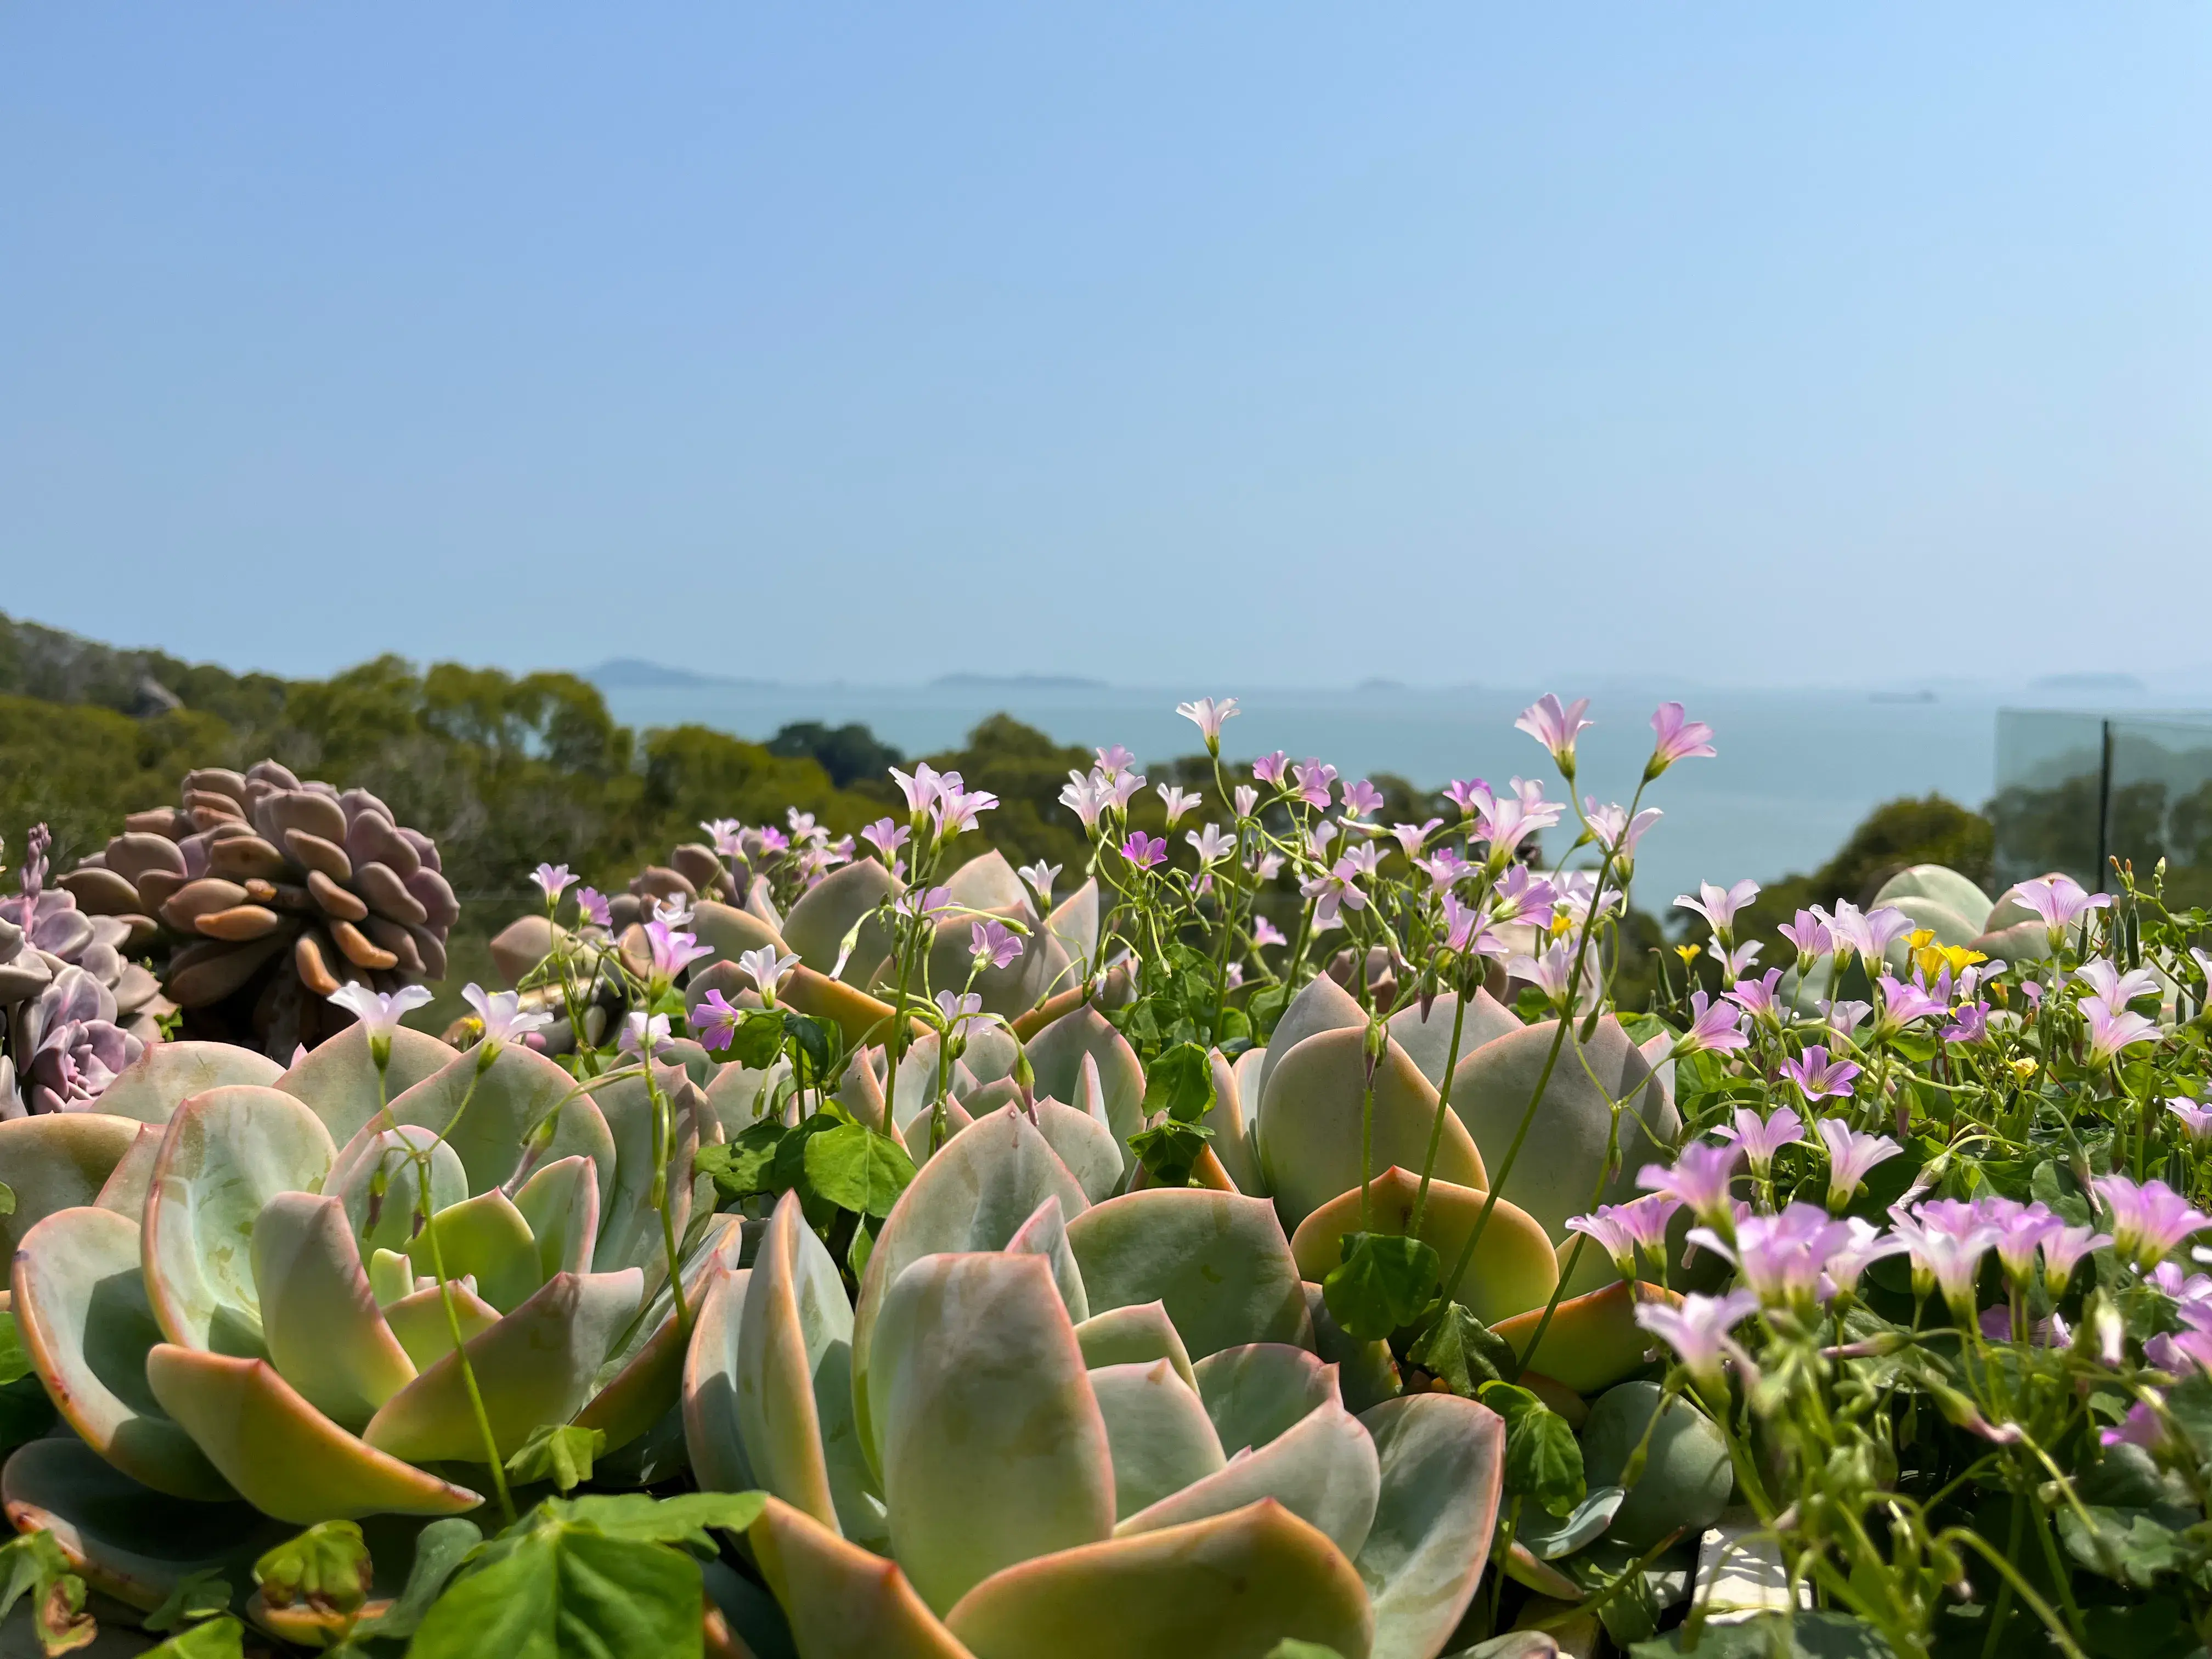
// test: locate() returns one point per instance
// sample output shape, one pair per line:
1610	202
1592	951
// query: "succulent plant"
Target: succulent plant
69	1045
1076	1428
270	892
220	1281
56	933
1288	1123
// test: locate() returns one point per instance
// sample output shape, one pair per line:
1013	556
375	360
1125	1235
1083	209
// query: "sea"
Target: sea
1795	771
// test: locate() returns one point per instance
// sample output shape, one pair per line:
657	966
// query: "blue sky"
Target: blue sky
1203	345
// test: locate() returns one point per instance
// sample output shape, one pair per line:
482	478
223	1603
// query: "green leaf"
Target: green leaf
1180	1083
32	1563
643	1519
863	1247
789	1169
2191	1403
197	1596
218	1638
2149	1629
1813	1635
1169	1150
1265	1008
741	1167
326	1567
2055	1185
441	1549
2133	1545
858	1170
1385	1281
560	1591
811	1040
1464	1351
561	1454
1543	1462
1291	1647
15	1358
7	1198
758	1040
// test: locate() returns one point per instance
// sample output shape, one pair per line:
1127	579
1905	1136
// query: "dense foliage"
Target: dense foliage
1246	1218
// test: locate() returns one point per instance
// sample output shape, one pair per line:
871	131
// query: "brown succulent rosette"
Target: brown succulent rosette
269	893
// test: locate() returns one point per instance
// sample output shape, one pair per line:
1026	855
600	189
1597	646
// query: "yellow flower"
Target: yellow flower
1688	953
1921	938
2023	1069
1933	959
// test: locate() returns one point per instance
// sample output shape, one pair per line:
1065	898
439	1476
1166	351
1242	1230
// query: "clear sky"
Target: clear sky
1210	345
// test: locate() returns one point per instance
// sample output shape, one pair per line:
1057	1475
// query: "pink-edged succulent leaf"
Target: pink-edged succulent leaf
1227	1587
1311	1123
1219	1261
843	1602
285	1457
994	1447
1139	1334
80	1300
534	1367
793	1378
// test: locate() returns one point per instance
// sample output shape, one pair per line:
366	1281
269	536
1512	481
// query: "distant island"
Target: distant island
1015	683
636	674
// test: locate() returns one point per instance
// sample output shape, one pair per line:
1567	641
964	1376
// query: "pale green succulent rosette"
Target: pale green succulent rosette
1052	1425
231	1303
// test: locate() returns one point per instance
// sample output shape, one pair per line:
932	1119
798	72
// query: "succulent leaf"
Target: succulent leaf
1219	1262
419	1321
1311	1127
560	1208
1056	1056
1158	1431
850	1604
1490	1091
320	1319
124	1190
80	1300
338	1078
1261	1390
485	1239
794	1379
285	1457
1514	1268
1443	1462
1322	1468
712	1433
535	1366
1593	1341
153	1086
125	1540
974	1195
630	1225
226	1153
1228	1586
1136	1335
1428	1041
1322	1005
642	1379
483	1106
56	1161
994	1447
